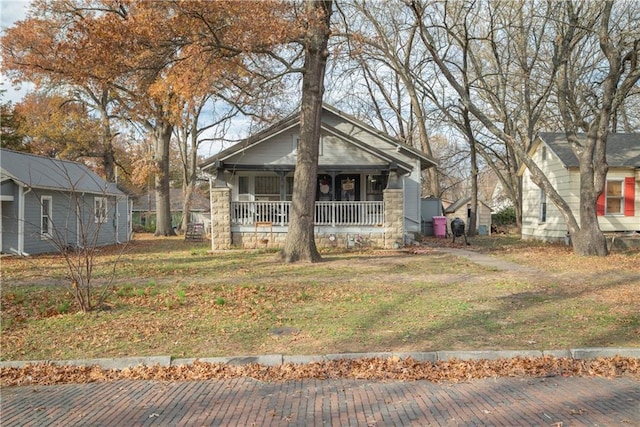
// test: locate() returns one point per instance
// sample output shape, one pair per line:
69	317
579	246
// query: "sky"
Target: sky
10	12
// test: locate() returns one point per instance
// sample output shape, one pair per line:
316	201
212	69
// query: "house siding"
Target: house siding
63	226
279	151
103	233
10	218
554	228
369	137
412	204
64	222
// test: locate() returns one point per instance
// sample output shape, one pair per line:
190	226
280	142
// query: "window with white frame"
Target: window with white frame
46	210
543	206
615	197
100	210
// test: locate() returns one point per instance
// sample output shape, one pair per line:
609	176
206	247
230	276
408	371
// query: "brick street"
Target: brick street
554	401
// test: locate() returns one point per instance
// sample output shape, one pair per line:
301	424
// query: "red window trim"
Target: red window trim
629	196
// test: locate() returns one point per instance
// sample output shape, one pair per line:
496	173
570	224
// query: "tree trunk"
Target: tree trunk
162	135
589	239
300	243
473	226
189	182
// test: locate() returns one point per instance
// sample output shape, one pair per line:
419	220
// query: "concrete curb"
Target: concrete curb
279	359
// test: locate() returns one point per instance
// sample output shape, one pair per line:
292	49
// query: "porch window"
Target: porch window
375	187
543	207
100	210
289	188
267	188
614	201
324	191
46	209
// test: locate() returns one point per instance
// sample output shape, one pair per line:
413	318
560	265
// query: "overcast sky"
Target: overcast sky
11	11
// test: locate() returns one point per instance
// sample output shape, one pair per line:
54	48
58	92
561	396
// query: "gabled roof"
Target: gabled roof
294	120
623	149
46	173
462	202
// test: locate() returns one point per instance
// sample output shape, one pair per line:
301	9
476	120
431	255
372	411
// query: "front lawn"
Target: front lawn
173	297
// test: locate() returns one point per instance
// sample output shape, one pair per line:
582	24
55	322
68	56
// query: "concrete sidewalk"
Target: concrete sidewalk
555	401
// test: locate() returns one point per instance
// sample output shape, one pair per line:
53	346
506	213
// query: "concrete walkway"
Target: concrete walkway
555	401
488	261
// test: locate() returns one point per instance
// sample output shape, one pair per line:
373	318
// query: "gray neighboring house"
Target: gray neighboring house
48	203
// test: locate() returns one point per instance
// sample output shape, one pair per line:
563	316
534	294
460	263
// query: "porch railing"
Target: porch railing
327	213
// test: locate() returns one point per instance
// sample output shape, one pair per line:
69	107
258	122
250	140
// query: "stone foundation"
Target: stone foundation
265	239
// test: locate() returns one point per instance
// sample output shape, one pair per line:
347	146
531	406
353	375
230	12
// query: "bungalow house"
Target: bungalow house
49	204
144	209
461	208
618	208
368	185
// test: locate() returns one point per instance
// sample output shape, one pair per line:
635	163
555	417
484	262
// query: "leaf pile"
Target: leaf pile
392	368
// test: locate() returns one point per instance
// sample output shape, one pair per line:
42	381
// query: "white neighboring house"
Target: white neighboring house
50	203
618	207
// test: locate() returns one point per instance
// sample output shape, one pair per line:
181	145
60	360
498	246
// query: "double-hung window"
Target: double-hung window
618	197
46	210
614	202
542	217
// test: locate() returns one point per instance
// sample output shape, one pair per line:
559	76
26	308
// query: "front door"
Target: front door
348	187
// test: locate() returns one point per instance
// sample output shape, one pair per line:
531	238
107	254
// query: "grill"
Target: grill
457	230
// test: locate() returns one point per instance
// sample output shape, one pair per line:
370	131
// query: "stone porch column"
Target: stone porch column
393	217
220	217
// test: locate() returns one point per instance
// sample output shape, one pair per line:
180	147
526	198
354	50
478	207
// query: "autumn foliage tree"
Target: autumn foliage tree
146	59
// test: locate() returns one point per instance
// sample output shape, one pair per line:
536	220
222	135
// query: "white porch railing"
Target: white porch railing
327	213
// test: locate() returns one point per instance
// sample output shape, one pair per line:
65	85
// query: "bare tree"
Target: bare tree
77	236
380	39
572	35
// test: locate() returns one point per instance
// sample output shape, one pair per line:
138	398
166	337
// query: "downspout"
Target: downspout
117	220
79	223
211	209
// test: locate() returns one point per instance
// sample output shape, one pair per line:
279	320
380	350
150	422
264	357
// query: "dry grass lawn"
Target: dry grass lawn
173	297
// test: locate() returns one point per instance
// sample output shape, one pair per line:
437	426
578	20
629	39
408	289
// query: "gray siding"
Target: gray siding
65	223
63	226
10	218
280	151
412	203
9	226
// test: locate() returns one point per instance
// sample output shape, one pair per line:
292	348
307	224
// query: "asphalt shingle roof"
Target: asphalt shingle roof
623	149
53	174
